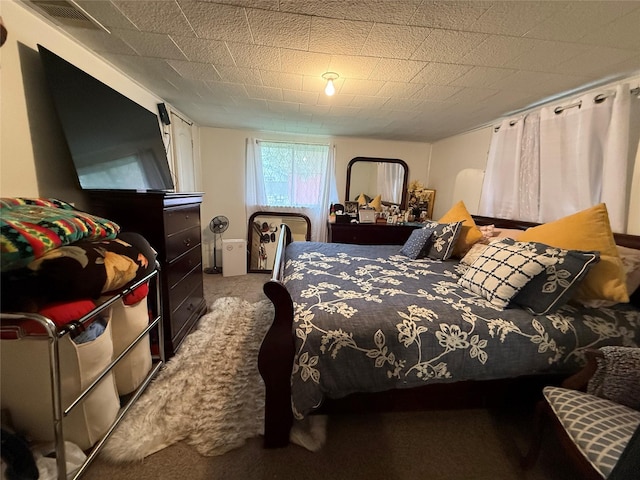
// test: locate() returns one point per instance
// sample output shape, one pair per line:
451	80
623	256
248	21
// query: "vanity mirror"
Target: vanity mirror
372	176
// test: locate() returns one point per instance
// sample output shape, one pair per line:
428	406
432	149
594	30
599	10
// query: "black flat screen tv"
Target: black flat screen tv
115	143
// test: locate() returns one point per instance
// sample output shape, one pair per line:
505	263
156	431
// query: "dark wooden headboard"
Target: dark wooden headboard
623	239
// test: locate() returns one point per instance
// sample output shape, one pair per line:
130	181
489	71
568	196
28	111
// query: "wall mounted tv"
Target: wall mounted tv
115	143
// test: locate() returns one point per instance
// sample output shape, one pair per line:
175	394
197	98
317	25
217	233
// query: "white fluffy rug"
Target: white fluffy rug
210	393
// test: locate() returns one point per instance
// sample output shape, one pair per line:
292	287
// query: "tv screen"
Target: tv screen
115	143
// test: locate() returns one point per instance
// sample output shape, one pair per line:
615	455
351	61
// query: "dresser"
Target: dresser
171	224
370	233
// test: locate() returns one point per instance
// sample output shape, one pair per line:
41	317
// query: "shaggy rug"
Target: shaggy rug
210	393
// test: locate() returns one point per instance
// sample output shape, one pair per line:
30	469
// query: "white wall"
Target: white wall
34	158
449	157
222	153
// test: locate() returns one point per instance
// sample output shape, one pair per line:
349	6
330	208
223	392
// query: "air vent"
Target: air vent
68	13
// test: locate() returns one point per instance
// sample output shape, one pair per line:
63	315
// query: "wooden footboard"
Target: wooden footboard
275	359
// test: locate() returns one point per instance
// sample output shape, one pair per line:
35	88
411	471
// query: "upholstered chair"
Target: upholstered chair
596	414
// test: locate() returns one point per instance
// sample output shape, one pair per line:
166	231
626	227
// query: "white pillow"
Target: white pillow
501	271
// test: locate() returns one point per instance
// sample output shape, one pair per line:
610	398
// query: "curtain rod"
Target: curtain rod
185	121
294	143
601	97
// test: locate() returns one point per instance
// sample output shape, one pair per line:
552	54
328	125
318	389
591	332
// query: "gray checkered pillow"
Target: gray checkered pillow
501	271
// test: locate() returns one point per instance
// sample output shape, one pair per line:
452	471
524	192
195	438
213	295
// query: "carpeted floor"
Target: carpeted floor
473	444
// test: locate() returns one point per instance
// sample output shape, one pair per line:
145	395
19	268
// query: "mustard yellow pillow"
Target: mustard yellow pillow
376	203
587	230
470	233
362	200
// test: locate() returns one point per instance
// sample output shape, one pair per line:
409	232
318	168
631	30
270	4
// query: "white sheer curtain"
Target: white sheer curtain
529	180
501	180
321	188
564	159
571	156
617	168
389	181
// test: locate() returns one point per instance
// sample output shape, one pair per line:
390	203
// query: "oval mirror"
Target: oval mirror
373	176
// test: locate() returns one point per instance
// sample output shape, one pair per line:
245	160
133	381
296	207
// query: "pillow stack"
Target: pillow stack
469	235
416	243
532	275
501	271
436	241
581	262
588	230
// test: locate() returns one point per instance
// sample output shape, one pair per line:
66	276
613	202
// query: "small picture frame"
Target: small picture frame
351	208
431	199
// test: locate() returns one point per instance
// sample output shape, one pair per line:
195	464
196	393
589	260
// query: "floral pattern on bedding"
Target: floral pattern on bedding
367	318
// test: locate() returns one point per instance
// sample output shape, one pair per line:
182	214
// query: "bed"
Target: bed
365	320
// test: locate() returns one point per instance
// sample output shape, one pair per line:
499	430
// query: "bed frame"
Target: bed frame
275	362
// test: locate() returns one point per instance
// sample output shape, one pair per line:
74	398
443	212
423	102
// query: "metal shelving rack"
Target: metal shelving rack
10	322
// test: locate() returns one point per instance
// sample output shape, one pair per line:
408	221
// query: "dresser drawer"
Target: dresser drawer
181	218
179	291
183	266
182	316
181	242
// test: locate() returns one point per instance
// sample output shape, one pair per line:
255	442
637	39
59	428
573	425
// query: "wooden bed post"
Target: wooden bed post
275	359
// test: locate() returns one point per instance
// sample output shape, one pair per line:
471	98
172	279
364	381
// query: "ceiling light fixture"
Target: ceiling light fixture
330	89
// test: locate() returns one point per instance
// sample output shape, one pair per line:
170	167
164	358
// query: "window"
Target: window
293	173
291	177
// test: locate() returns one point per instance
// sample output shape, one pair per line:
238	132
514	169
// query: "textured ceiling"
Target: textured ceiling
409	69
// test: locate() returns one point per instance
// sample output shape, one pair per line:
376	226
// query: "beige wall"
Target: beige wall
34	159
449	157
223	168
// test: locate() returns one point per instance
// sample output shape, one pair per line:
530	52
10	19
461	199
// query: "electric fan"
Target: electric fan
217	225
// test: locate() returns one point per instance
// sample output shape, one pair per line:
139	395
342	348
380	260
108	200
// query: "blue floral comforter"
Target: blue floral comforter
367	319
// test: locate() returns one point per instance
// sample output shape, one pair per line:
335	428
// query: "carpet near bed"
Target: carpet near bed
209	394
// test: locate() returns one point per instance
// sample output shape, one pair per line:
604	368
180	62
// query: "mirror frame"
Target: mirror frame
405	180
265	213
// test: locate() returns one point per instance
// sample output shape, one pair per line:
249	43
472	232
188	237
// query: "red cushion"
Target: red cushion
60	313
138	294
64	312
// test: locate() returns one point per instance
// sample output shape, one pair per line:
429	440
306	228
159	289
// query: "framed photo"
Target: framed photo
351	208
431	199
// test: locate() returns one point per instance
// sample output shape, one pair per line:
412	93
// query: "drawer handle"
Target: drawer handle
190	307
186	217
187	242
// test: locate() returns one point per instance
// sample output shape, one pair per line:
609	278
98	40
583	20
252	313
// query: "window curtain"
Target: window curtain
256	190
565	159
511	183
501	180
389	181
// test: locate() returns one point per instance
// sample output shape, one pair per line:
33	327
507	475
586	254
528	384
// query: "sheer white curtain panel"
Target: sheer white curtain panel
563	159
501	180
256	189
